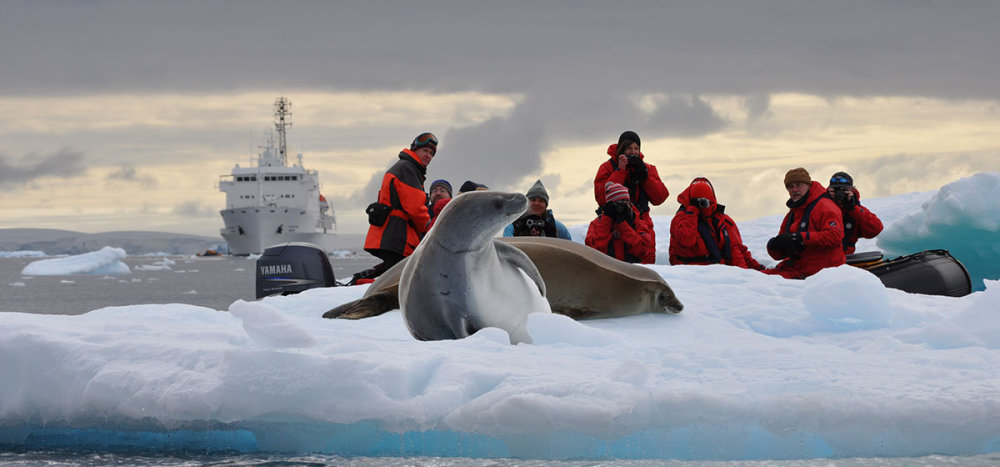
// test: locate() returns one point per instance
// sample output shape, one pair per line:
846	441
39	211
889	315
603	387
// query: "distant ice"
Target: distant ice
22	254
105	261
162	265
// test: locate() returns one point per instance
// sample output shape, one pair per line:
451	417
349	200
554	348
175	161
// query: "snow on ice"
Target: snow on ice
107	260
755	367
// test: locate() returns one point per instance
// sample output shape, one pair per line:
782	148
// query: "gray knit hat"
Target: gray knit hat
538	191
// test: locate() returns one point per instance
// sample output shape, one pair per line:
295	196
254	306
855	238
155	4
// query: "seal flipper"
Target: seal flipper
518	258
367	307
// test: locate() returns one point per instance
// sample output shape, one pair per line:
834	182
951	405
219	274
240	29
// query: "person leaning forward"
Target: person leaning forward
538	221
702	233
628	167
858	221
617	231
811	235
399	218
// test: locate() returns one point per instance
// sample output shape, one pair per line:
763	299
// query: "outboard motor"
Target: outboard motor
290	268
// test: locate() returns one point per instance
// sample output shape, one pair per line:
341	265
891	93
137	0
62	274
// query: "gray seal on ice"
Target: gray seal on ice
460	280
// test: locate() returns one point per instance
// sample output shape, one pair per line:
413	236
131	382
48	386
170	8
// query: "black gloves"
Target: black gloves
788	244
844	199
637	169
618	211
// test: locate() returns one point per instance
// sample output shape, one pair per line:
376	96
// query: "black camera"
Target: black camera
701	202
840	194
633	160
531	224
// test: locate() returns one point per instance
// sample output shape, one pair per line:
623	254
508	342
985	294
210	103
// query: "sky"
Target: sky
124	115
754	367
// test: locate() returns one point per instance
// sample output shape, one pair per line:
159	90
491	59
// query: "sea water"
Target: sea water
214	282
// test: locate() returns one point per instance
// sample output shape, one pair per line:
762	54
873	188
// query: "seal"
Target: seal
584	283
459	280
581	283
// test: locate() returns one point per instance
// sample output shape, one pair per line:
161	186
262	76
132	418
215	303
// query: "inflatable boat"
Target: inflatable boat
929	272
293	267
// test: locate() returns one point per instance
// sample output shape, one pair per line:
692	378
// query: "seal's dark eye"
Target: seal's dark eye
498	204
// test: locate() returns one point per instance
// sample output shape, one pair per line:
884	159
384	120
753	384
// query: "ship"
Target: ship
272	202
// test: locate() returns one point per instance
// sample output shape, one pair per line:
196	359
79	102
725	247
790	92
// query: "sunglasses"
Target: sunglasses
424	139
840	180
701	202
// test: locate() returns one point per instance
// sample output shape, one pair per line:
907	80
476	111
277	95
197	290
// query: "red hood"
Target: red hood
685	197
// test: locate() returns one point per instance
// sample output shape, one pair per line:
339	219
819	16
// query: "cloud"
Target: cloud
127	173
194	208
61	164
852	47
757	106
685	117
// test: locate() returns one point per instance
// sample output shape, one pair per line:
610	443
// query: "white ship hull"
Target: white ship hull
273	202
250	230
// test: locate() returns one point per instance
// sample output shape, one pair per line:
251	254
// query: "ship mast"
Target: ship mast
282	120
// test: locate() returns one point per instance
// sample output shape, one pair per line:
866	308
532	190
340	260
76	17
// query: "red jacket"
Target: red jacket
859	222
631	243
651	191
691	235
822	237
402	189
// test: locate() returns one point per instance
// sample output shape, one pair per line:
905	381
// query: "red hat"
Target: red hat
615	192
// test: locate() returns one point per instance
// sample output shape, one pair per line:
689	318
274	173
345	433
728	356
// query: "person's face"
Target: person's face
537	206
796	190
425	154
438	193
631	149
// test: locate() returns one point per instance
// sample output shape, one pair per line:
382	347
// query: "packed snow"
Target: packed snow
755	367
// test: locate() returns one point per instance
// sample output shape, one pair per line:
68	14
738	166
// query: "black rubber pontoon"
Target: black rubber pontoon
930	272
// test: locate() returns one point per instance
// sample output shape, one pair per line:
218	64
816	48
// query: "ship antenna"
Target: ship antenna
282	120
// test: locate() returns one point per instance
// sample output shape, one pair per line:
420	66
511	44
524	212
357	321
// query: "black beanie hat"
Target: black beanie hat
840	177
628	135
470	185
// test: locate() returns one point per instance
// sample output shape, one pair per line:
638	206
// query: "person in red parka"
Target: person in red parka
857	220
399	218
702	233
627	166
617	230
811	234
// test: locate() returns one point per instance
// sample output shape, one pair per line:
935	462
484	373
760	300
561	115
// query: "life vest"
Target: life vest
716	253
804	221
